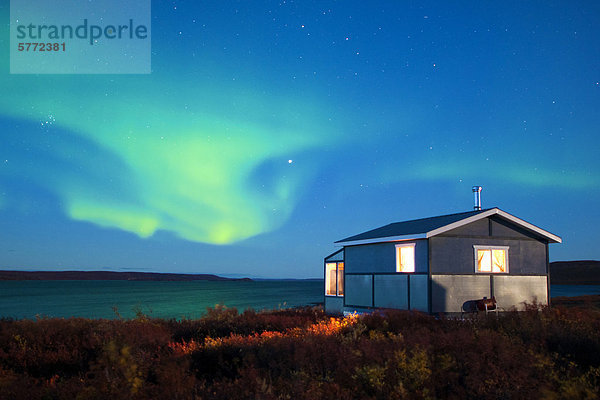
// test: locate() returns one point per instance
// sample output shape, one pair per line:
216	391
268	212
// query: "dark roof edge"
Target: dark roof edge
468	219
413	221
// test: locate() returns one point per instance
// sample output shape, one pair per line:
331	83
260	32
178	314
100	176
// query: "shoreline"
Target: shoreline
13	275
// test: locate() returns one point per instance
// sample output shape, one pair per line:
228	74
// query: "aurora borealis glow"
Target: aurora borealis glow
387	112
204	177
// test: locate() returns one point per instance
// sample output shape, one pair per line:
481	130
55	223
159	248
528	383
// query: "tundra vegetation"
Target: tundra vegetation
548	353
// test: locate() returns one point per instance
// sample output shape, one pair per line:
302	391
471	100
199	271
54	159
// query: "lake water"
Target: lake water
97	299
573	290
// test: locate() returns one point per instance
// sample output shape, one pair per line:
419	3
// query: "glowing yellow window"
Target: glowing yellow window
491	259
340	278
334	279
405	258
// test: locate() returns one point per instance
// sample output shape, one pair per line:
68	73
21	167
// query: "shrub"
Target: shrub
304	354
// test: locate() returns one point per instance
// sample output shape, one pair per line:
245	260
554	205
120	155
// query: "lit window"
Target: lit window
405	258
491	259
340	278
334	279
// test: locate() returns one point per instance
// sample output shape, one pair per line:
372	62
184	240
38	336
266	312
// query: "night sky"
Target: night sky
269	129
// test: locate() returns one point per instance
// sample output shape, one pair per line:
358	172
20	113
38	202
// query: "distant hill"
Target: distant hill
586	272
107	276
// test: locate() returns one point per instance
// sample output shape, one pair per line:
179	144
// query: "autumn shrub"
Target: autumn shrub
549	353
220	321
46	347
573	334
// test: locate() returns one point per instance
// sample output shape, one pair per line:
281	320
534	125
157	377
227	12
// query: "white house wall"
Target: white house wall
449	292
512	291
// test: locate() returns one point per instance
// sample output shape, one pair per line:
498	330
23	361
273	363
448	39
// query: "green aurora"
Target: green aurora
192	173
283	122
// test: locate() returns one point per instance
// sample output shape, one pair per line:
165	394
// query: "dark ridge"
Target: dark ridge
107	276
584	272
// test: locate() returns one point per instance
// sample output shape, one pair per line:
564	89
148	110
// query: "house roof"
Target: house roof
427	227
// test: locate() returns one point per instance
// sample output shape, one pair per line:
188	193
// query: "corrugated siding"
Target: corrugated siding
381	257
450	292
339	256
502	228
419	288
512	291
334	305
455	255
391	291
478	228
359	290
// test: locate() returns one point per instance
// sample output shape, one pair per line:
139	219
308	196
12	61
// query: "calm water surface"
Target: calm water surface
98	299
573	290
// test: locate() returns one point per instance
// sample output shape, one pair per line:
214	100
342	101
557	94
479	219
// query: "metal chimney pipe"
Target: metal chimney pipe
477	197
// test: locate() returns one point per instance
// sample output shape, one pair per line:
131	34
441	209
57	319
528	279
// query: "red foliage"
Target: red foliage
303	354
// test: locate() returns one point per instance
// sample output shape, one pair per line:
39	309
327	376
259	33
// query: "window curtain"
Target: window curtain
340	279
484	263
407	259
499	258
330	276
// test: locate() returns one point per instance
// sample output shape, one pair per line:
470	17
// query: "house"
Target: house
439	264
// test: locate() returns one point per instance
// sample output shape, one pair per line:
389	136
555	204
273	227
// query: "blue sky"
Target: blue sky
267	130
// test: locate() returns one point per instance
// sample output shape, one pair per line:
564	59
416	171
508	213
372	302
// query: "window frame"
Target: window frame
337	278
477	247
398	257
